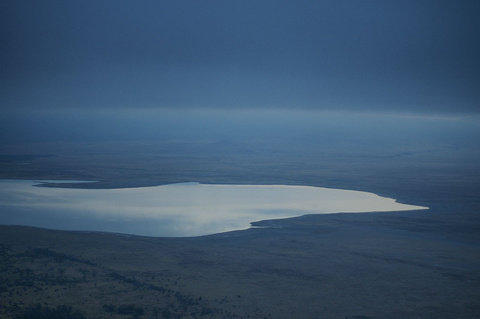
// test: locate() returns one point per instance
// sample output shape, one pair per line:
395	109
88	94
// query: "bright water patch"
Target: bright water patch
185	209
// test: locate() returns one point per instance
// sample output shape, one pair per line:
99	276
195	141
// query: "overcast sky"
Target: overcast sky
389	56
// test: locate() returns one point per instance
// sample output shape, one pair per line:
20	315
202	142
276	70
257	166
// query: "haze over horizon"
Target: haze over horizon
158	69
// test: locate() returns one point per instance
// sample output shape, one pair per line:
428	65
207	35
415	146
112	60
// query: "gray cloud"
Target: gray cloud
414	56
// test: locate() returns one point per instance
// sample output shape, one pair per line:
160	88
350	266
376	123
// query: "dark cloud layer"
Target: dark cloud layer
386	56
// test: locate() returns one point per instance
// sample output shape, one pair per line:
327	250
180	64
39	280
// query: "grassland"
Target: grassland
423	264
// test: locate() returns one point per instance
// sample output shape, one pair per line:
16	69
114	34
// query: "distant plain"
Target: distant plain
372	265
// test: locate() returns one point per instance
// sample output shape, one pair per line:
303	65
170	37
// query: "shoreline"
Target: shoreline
180	209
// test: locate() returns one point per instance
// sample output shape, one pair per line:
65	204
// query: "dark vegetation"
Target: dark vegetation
356	266
29	274
44	312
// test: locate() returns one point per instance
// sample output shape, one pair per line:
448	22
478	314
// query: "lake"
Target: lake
176	210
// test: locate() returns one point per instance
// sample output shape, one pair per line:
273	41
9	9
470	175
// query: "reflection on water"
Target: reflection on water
185	209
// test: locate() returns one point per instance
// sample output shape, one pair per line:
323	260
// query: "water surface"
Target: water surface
185	209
